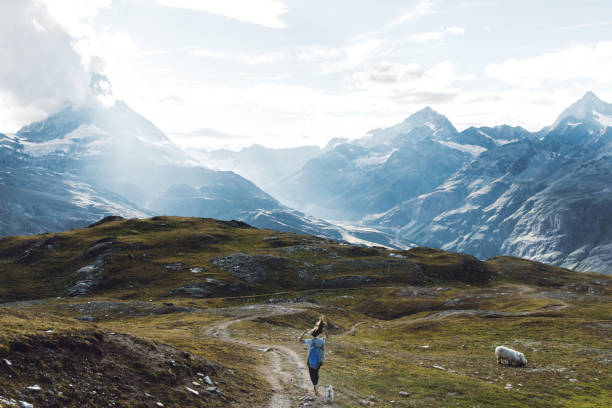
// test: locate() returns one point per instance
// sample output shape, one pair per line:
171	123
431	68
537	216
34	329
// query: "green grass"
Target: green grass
564	335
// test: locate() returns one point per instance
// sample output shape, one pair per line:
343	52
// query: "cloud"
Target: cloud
575	62
350	55
371	45
435	35
266	13
391	73
422	8
258	59
73	14
409	83
40	69
211	139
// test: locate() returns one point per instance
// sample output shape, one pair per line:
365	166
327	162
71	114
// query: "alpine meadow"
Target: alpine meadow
279	204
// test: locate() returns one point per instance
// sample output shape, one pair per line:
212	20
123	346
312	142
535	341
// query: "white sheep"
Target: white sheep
512	356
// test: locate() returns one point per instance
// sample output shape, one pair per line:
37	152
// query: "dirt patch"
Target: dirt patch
97	369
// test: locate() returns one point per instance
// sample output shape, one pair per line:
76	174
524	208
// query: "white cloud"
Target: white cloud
266	13
390	73
454	30
73	15
249	59
409	83
574	62
435	35
422	8
350	55
97	49
40	70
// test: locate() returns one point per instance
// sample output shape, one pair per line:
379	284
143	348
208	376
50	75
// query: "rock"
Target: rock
176	266
214	390
99	247
251	268
309	249
573	380
208	381
206	289
196	270
191	390
508	386
34	388
425	347
8	363
86	318
266	349
365	403
88	278
7	403
437	367
197	384
403	393
372	398
23	404
159	404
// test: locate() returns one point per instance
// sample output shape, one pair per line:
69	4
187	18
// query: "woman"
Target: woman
316	350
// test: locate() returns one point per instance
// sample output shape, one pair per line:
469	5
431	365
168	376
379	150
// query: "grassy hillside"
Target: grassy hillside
128	308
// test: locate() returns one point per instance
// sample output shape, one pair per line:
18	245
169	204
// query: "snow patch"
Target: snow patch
603	119
63	144
471	149
374	160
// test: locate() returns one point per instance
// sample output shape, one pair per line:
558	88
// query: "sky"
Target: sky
229	73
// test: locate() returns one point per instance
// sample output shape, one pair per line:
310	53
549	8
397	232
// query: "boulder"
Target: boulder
251	268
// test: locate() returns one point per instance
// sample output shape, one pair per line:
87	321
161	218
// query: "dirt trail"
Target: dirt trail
285	370
522	291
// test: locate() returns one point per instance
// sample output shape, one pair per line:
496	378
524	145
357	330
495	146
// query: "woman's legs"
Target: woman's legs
314	377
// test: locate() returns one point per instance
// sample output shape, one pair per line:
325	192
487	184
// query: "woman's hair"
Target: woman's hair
319	327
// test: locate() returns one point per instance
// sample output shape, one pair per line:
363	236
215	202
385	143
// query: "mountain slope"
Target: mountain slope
262	165
546	199
372	174
79	165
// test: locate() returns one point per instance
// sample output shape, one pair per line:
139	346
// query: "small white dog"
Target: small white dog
329	394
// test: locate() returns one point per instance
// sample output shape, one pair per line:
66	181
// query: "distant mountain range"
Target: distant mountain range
547	198
486	191
81	164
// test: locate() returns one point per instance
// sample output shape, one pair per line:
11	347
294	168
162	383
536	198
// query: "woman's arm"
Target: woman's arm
302	336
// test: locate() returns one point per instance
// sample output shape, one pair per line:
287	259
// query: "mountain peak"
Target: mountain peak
440	127
589	107
589	96
425	114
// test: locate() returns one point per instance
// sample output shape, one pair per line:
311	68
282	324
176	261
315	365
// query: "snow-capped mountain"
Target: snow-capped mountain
548	200
372	174
79	165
